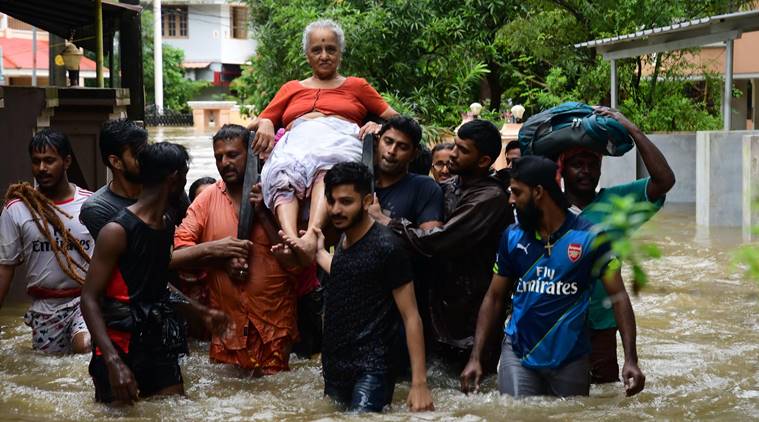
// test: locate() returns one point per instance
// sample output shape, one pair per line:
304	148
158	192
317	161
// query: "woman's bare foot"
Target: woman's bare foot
284	254
304	246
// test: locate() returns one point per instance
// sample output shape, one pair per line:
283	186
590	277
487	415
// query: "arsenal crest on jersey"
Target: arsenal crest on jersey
574	251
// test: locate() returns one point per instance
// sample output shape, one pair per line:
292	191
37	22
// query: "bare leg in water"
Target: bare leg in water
304	245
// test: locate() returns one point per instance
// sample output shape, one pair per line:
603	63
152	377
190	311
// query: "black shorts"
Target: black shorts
152	371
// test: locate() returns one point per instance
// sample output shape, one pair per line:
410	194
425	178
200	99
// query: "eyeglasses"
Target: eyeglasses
438	165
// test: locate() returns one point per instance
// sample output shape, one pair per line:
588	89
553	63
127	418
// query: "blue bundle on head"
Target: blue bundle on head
570	125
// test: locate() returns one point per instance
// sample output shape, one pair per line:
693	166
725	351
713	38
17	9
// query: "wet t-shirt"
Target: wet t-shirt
21	241
416	198
551	290
601	312
101	207
361	320
104	204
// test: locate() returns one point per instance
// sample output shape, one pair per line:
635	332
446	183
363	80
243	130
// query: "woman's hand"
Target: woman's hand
369	127
264	141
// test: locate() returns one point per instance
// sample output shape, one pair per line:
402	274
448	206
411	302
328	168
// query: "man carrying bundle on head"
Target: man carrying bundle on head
581	170
40	227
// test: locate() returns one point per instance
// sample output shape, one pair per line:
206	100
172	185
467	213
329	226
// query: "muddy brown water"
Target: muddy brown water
698	341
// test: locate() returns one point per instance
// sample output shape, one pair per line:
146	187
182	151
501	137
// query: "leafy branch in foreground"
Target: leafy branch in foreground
747	256
623	216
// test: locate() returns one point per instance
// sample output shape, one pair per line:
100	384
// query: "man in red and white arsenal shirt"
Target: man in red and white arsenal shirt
40	228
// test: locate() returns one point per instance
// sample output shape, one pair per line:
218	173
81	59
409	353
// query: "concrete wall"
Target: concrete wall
720	178
755	103
617	170
680	151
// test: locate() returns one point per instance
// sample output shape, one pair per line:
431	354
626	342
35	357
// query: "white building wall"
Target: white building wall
204	37
235	51
209	36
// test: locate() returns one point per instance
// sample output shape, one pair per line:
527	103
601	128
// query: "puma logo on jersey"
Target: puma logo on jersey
523	247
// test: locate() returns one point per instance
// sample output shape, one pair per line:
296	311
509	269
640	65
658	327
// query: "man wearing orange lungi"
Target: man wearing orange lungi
245	279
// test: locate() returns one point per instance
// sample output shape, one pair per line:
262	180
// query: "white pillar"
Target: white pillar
727	96
34	56
158	56
614	84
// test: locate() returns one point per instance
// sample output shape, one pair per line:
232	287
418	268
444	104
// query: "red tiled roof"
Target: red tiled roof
17	54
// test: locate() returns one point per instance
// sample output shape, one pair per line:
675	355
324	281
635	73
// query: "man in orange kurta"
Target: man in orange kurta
262	305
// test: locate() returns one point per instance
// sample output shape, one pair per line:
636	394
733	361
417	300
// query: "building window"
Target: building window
238	16
174	21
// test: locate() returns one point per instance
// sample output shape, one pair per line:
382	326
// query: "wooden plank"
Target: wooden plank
251	178
367	154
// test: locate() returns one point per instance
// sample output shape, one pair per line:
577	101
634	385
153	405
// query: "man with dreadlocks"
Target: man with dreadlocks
40	227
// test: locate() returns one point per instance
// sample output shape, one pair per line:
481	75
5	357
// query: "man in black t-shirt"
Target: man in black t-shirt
368	294
401	194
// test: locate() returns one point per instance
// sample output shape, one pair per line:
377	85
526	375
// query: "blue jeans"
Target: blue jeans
370	392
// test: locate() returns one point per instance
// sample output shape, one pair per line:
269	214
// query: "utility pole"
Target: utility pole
158	56
99	42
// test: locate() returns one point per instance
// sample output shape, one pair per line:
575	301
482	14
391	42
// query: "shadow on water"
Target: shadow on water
698	341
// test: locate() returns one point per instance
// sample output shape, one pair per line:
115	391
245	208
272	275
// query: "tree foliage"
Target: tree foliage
434	57
177	90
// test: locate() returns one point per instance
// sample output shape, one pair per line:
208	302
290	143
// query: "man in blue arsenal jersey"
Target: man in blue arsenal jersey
548	262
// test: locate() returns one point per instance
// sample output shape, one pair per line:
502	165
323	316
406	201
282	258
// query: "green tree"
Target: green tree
177	90
434	57
653	89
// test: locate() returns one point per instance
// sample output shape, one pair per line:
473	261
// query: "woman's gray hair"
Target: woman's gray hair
324	24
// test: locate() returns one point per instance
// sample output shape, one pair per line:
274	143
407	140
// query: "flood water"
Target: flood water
698	343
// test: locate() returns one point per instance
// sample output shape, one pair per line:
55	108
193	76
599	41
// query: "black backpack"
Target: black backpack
569	125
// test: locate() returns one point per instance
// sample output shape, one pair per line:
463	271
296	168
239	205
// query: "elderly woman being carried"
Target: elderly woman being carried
323	116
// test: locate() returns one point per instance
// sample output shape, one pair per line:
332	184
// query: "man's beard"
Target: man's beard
392	169
529	218
230	180
460	171
352	220
132	177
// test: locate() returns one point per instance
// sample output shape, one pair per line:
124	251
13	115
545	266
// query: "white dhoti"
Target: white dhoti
309	147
